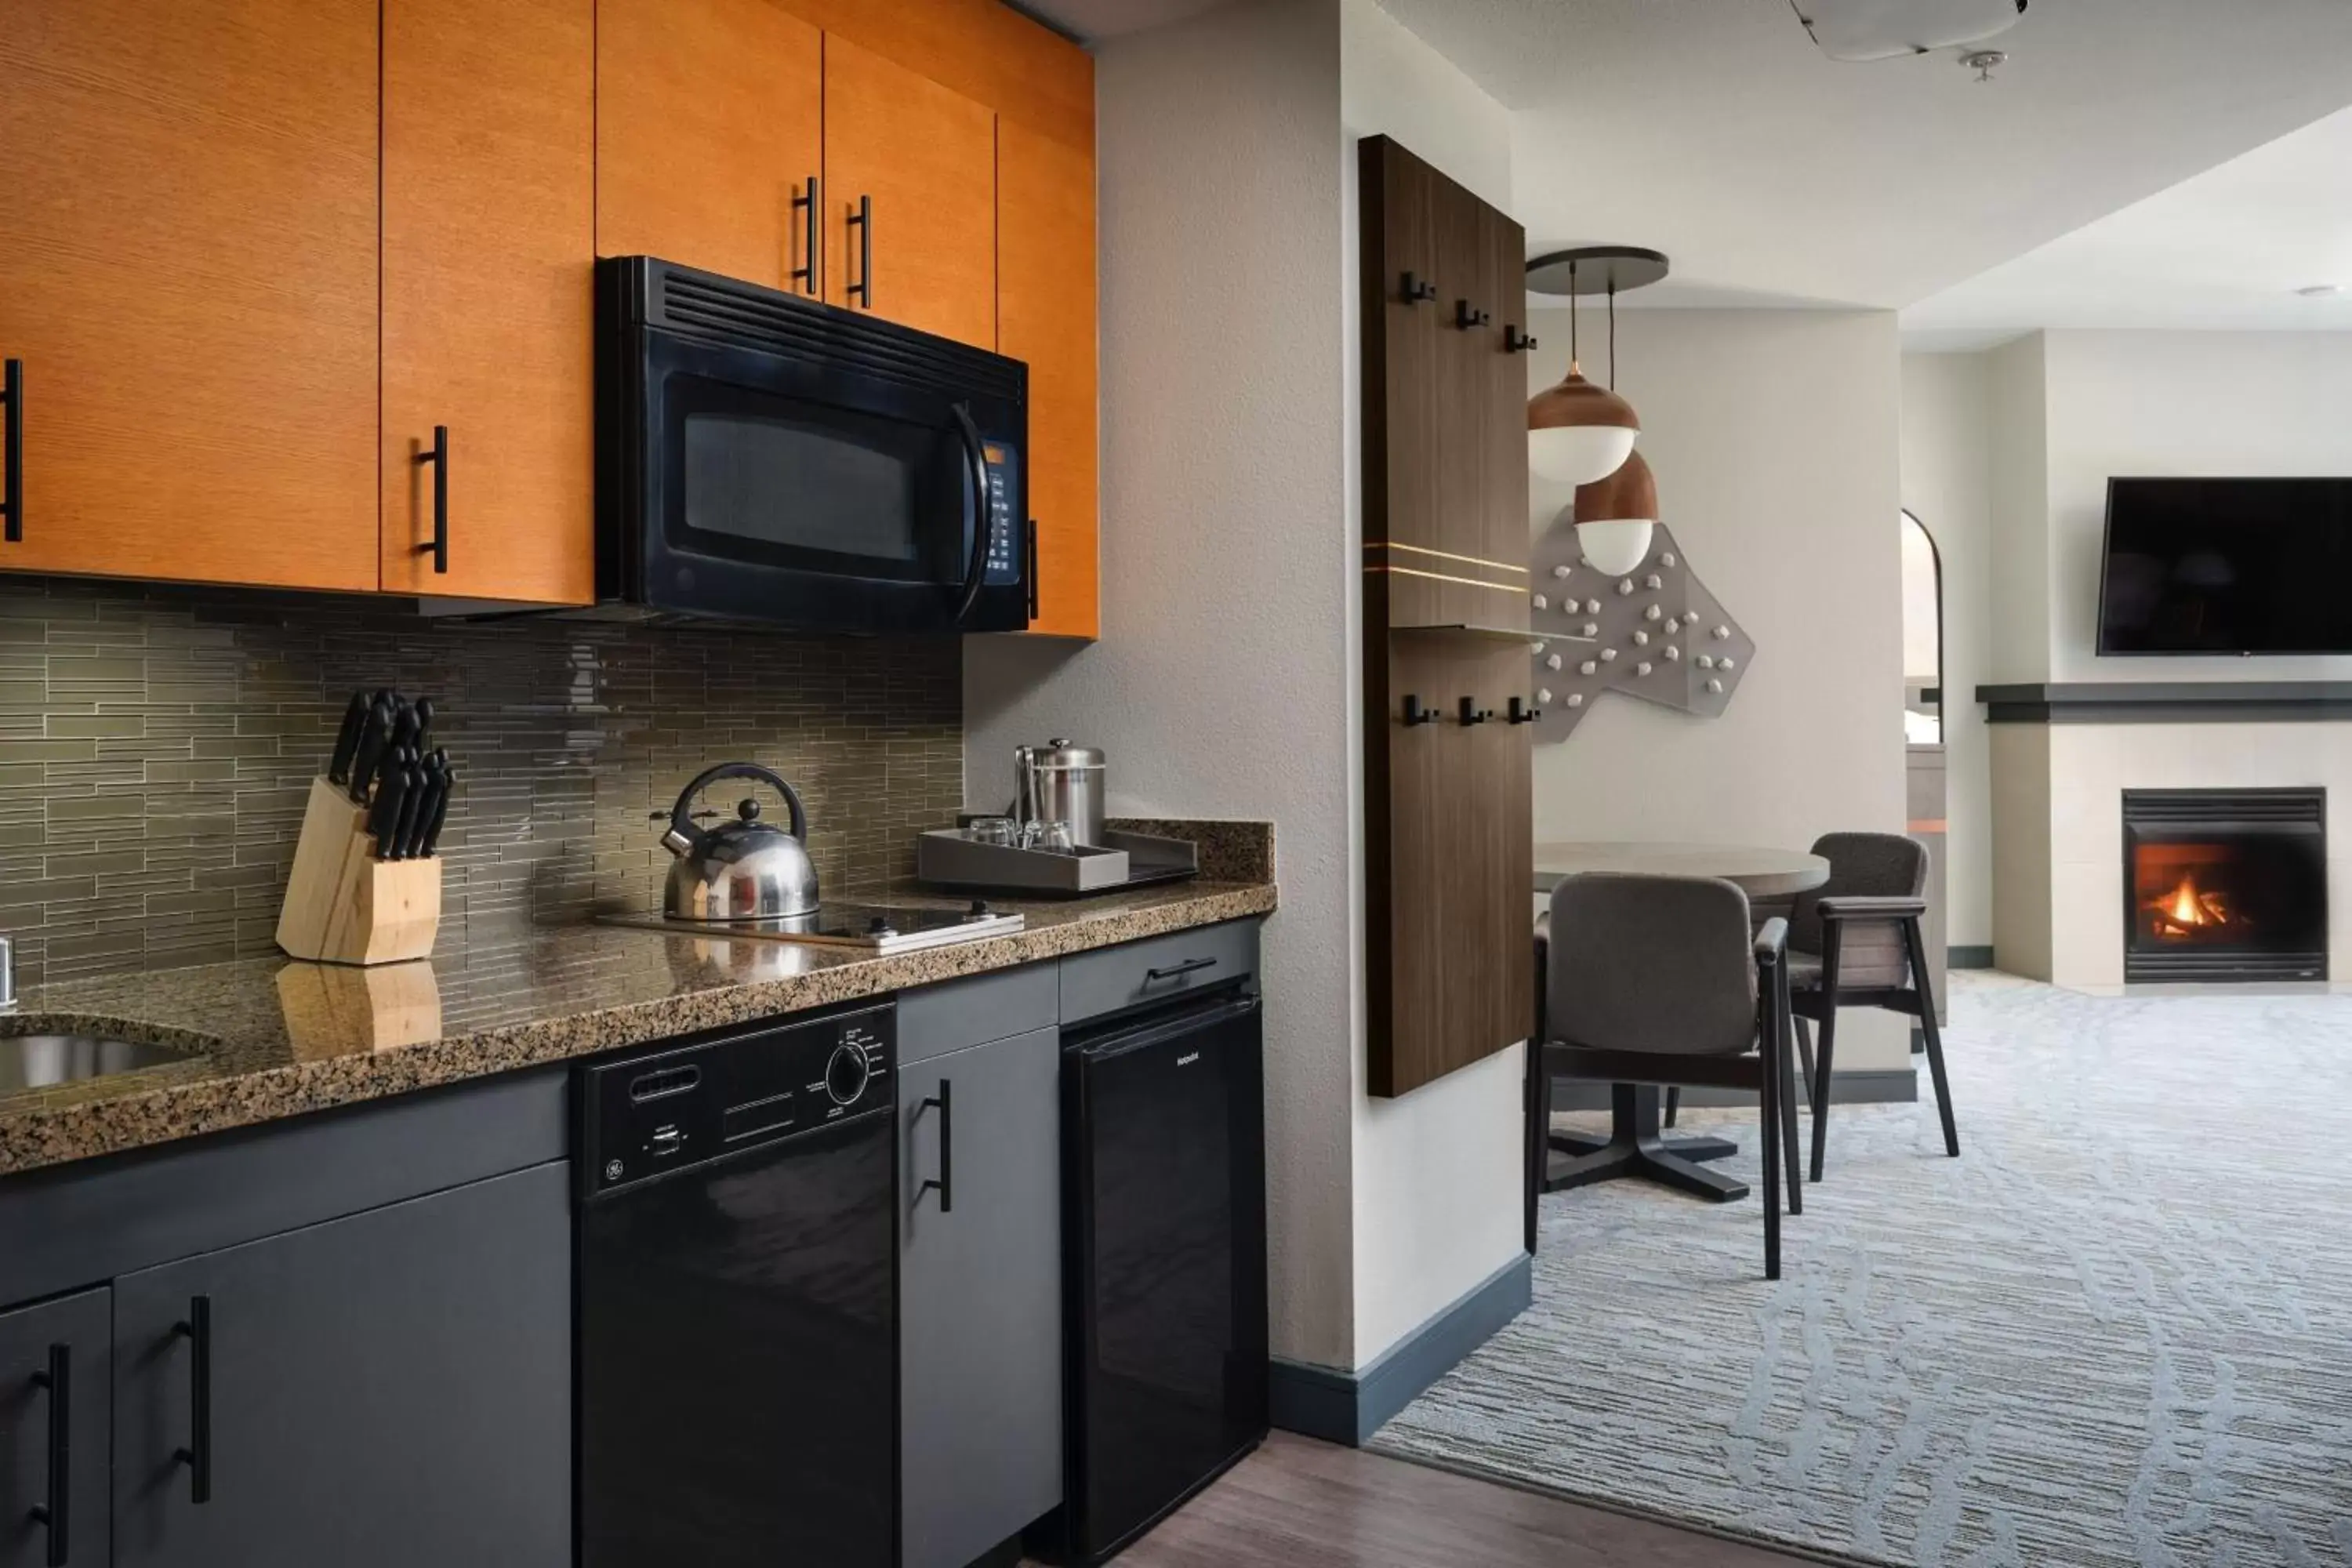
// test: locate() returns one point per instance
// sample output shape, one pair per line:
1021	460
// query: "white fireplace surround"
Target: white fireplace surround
2057	828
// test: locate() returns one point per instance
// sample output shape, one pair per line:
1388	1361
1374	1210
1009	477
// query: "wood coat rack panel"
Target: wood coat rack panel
1449	821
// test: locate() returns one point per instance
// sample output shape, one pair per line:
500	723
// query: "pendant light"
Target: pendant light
1615	515
1583	435
1577	432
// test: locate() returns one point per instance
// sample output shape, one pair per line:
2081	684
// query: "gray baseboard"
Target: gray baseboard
1967	957
1876	1086
1349	1406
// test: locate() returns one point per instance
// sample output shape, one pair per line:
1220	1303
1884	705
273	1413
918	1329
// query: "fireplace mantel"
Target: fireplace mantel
2168	703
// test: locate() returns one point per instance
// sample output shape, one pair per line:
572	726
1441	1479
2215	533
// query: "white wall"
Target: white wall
2154	403
2019	576
1948	485
1438	1176
1774	436
1219	688
1227	679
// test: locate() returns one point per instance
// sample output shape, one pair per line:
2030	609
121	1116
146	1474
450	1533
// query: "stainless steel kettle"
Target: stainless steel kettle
741	870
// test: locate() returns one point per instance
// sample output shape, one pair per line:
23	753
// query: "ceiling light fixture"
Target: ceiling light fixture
1615	517
1579	433
1889	29
2320	290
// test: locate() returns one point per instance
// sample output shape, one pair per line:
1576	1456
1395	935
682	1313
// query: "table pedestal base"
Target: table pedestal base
1636	1146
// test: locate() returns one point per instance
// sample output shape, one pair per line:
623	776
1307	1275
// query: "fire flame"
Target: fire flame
2185	907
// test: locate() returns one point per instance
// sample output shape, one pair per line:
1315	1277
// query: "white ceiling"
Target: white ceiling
2227	249
1715	130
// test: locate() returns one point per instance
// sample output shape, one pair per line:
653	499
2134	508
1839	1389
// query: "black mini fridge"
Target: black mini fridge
1165	1267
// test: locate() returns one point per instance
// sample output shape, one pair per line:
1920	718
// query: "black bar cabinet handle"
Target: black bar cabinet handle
438	456
12	460
197	1328
55	1515
1173	969
944	1103
864	220
807	272
1033	568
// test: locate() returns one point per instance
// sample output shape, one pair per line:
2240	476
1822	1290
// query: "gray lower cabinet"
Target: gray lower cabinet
980	1295
54	1442
383	1391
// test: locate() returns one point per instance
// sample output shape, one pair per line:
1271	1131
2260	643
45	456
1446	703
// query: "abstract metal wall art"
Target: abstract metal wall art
1656	634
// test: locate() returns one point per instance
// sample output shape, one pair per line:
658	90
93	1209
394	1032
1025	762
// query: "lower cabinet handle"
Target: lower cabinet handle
57	1514
944	1102
1173	969
197	1328
438	456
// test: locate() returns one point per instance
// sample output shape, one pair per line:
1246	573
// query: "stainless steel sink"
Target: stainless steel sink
37	1062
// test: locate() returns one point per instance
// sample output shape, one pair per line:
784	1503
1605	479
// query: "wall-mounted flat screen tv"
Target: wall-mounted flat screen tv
2227	566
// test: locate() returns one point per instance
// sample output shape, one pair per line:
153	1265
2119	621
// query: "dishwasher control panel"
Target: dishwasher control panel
663	1109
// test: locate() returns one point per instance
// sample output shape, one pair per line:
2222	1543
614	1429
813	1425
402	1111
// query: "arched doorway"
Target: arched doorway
1923	635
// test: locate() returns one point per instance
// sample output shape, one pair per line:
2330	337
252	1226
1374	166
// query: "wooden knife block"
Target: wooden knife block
343	904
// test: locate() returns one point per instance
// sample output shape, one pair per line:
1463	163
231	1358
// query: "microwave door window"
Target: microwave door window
833	491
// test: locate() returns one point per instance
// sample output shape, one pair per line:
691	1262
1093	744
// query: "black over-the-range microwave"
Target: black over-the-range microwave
760	456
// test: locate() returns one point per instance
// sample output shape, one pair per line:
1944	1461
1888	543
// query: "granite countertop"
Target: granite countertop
279	1038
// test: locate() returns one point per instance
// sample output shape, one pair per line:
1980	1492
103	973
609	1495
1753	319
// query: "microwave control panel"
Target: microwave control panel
1005	543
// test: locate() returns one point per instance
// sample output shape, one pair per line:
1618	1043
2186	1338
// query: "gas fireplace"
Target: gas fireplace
2225	884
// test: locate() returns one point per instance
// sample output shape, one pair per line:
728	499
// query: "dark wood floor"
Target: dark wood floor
1302	1504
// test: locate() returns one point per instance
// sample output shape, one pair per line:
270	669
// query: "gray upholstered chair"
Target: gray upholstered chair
1657	979
1854	941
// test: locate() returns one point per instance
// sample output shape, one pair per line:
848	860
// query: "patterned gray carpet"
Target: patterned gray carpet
2117	1330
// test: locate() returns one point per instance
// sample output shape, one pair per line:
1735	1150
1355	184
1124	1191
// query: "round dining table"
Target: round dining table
1637	1144
1761	873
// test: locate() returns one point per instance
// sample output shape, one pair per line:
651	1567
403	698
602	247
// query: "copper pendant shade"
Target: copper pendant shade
1578	431
1616	516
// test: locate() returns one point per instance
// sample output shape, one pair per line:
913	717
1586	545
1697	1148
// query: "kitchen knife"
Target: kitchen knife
347	740
411	797
376	740
403	725
435	782
430	842
383	819
425	726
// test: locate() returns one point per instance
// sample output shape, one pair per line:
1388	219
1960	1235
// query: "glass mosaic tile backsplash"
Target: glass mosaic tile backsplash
157	745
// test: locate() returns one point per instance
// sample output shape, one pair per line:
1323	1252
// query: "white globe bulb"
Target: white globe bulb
1617	547
1580	454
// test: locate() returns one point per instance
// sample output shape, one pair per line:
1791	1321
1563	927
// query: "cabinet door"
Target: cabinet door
382	1391
923	159
189	276
489	212
55	1372
1046	317
709	120
980	1281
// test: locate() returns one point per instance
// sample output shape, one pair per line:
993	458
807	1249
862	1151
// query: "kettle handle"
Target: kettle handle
681	817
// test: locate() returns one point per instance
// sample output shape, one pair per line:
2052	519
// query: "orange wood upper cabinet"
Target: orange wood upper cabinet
188	272
489	193
710	120
1045	302
922	159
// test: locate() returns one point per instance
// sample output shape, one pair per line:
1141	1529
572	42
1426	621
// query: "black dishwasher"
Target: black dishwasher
737	1295
1165	1272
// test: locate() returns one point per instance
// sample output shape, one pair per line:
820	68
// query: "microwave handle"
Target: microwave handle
977	568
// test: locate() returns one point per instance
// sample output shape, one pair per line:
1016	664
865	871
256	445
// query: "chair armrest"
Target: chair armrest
1858	907
1772	942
